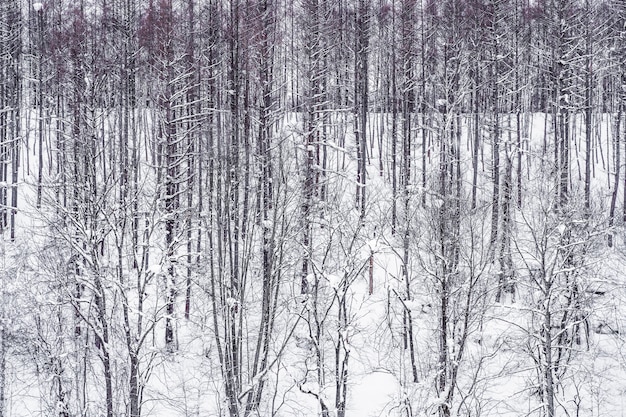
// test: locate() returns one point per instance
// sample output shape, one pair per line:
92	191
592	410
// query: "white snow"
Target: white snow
334	280
155	269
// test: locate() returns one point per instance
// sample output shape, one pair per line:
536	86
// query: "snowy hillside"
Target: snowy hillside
312	208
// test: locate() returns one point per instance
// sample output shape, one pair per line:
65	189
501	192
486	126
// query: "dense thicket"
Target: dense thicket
229	187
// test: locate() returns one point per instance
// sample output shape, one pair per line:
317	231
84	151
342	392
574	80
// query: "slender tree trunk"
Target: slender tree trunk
342	355
588	113
495	143
3	362
12	74
313	102
505	274
193	111
361	102
548	388
616	139
394	138
103	341
476	135
266	11
40	89
408	108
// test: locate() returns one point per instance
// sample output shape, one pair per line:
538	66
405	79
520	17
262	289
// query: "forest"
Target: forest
296	208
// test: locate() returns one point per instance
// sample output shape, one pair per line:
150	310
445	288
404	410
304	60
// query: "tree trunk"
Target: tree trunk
3	362
548	388
361	102
617	164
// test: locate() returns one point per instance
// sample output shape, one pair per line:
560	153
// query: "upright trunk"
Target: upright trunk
40	87
447	224
564	157
506	270
561	79
171	207
229	206
313	100
193	111
103	341
134	392
170	168
546	363
495	143
588	113
616	140
3	361
361	102
442	382
476	137
266	11
408	107
426	41
394	138
342	354
519	107
13	97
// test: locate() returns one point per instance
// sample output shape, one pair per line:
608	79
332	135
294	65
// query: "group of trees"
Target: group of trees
182	168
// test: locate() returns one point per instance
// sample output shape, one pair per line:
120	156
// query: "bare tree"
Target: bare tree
361	98
555	258
11	102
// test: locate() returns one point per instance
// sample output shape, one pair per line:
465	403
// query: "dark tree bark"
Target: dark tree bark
266	14
314	101
361	98
408	17
11	103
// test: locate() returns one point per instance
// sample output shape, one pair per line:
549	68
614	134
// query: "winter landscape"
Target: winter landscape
298	208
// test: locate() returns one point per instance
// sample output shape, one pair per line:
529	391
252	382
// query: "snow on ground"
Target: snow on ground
376	394
497	366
